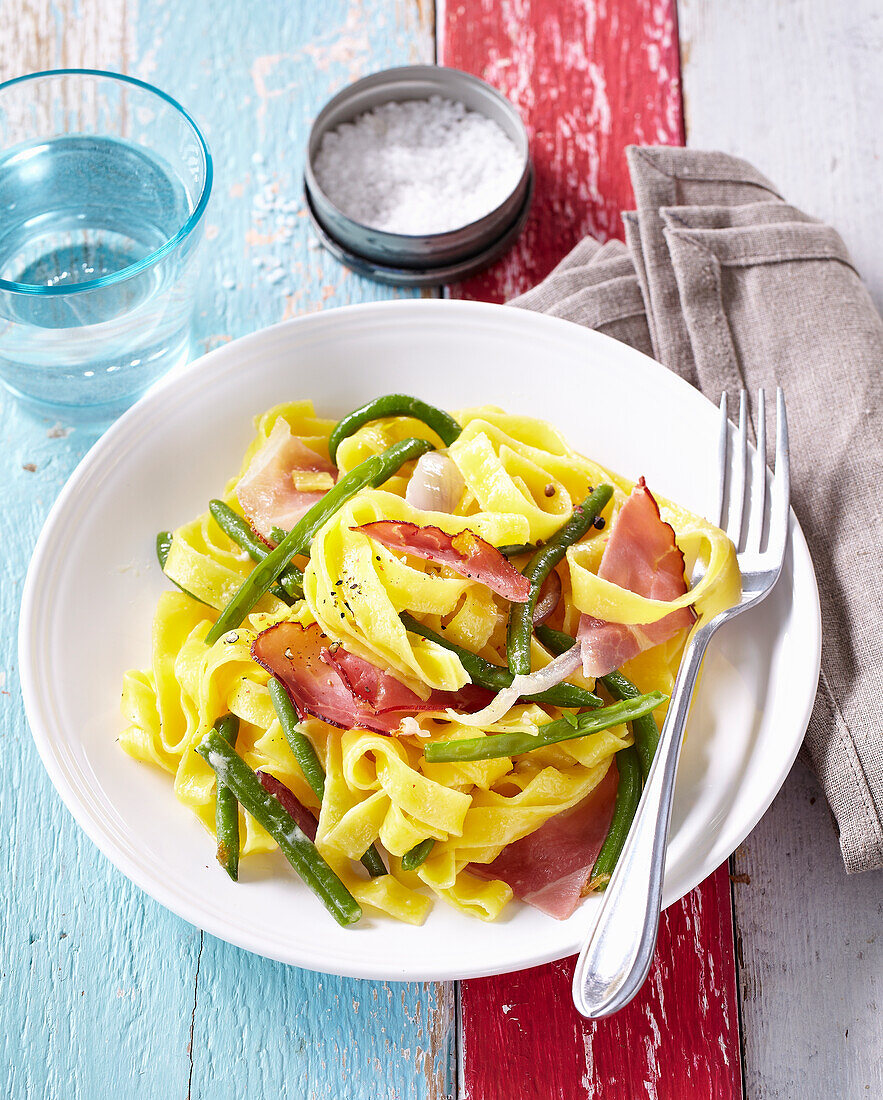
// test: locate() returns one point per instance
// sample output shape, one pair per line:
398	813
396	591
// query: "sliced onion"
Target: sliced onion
541	680
550	594
436	484
410	727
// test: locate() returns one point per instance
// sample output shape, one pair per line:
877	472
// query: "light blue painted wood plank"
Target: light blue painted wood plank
262	75
88	964
256	76
265	1029
108	1007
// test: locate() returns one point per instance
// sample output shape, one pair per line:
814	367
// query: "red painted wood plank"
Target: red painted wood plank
677	1041
590	77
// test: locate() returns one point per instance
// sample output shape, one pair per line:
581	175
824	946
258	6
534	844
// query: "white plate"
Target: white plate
93	584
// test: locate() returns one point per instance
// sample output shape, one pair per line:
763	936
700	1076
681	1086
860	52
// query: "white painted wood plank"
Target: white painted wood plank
810	956
796	88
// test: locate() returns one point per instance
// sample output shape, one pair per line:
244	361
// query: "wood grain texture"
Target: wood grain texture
102	992
589	79
678	1040
796	88
88	964
263	1029
48	34
810	945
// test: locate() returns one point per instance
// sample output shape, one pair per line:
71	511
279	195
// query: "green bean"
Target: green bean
301	746
300	852
293	574
563	729
291	580
556	641
372	861
496	677
620	687
417	856
394	404
634	763
373	471
163	546
628	795
232	524
644	728
513	549
226	806
539	567
305	755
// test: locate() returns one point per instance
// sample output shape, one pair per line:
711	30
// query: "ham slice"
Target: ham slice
548	598
642	556
465	553
268	492
550	868
343	689
290	803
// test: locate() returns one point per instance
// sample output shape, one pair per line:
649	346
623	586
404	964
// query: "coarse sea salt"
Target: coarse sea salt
418	167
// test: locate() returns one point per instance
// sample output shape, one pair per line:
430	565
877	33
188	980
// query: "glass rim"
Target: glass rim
167	246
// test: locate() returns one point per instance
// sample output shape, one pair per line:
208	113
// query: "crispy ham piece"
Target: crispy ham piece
268	492
325	680
642	556
550	868
465	553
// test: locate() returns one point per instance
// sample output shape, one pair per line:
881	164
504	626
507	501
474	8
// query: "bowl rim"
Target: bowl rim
137	423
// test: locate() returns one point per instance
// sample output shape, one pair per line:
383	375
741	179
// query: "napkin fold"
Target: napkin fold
729	286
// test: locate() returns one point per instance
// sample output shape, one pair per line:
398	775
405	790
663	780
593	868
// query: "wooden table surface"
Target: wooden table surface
767	980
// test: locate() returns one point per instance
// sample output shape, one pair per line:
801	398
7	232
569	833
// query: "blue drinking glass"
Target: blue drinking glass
104	182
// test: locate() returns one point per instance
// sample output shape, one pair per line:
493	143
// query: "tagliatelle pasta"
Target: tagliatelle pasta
522	482
356	589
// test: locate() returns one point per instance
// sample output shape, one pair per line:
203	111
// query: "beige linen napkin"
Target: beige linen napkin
729	286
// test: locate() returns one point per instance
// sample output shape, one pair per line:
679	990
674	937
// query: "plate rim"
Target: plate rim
150	404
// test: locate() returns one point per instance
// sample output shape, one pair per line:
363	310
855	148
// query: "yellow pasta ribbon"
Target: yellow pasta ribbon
522	480
211	568
718	588
356	588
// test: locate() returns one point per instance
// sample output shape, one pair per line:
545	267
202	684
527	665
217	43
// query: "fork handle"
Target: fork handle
616	959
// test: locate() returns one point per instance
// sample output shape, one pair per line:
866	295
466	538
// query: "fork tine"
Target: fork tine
781	488
738	487
722	451
754	534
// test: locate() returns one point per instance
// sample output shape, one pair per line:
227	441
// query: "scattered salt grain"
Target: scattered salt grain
418	167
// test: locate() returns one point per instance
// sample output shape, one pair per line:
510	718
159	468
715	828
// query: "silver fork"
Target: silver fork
616	958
